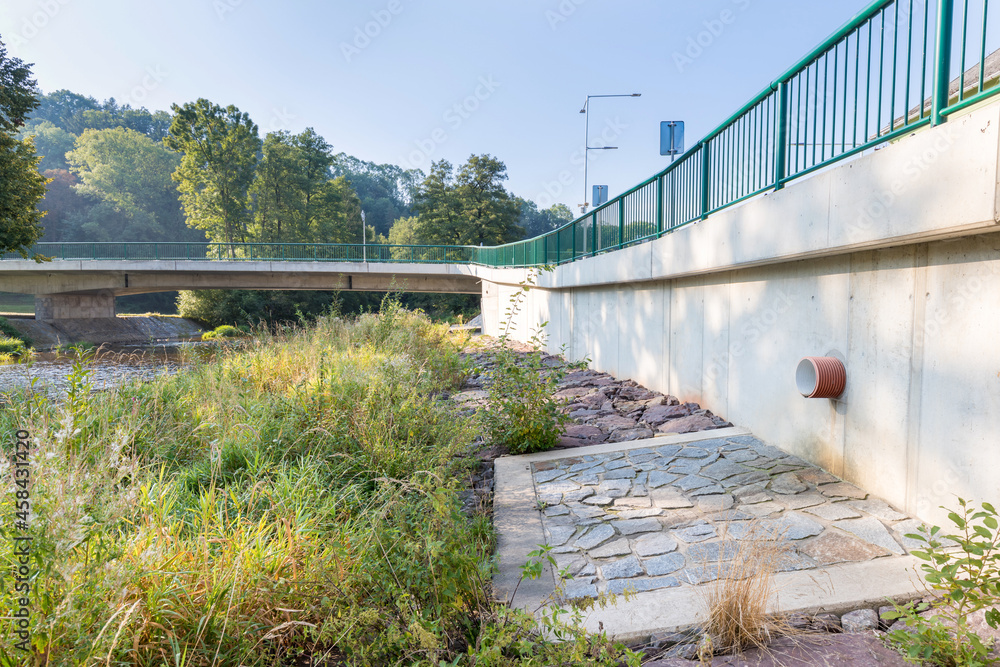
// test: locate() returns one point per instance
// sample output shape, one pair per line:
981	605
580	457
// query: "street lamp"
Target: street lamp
364	242
588	147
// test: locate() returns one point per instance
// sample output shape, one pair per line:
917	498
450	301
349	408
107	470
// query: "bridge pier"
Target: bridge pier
50	307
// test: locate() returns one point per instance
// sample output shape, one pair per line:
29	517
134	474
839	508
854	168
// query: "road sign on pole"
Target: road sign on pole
671	138
600	195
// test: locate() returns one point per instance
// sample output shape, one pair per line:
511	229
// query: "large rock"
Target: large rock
835	547
690	424
585	432
656	415
871	530
630	434
860	620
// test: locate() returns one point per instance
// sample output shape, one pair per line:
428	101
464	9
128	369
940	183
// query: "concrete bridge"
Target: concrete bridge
86	288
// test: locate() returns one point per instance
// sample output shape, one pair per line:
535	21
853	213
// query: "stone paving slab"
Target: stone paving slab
664	516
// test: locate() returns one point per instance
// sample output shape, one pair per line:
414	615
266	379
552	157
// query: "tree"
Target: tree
386	190
220	148
471	208
64	108
21	186
64	207
536	223
275	190
130	175
295	200
51	144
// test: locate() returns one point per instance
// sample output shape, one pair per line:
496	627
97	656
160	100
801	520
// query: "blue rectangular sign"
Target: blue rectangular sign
600	195
671	137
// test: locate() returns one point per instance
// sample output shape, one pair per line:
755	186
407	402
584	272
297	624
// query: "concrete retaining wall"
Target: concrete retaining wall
890	263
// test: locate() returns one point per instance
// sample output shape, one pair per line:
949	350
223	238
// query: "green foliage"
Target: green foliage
521	415
220	147
386	190
250	307
129	176
223	331
8	330
295	200
537	222
75	113
966	578
65	208
470	208
11	346
21	186
51	143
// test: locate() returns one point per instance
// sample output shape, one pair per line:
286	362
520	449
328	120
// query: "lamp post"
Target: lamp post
364	243
588	147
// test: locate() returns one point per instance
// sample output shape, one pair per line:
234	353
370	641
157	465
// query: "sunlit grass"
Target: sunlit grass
291	494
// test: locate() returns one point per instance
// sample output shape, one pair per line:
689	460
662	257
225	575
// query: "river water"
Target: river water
111	367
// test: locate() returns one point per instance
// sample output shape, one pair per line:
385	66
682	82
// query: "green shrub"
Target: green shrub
8	330
521	415
223	331
11	346
966	579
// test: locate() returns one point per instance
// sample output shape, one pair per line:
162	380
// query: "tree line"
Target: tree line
203	173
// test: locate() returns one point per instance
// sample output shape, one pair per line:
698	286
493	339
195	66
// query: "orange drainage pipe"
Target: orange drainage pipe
820	377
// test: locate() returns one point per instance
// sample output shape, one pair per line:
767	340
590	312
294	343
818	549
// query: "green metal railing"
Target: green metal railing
316	252
897	67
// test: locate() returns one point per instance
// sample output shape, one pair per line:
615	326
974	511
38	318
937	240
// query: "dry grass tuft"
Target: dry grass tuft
739	599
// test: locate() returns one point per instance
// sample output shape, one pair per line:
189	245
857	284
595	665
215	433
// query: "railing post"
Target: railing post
621	221
558	249
781	150
704	179
942	61
659	205
593	233
574	239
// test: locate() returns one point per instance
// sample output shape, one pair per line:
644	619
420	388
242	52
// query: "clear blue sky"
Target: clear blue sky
437	78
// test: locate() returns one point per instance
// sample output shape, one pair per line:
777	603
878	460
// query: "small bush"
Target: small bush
224	331
8	330
11	346
966	578
521	414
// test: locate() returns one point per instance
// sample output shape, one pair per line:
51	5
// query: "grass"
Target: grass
296	494
23	304
739	600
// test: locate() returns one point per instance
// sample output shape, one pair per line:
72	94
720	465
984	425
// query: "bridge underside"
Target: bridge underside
72	289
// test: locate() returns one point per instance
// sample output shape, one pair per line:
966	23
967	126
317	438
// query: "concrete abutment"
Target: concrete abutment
51	307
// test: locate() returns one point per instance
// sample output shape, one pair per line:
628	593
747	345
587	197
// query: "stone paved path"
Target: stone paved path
651	518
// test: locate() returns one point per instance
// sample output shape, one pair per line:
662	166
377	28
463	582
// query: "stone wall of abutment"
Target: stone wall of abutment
890	263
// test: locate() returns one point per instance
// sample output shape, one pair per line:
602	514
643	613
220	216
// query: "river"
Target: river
111	367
